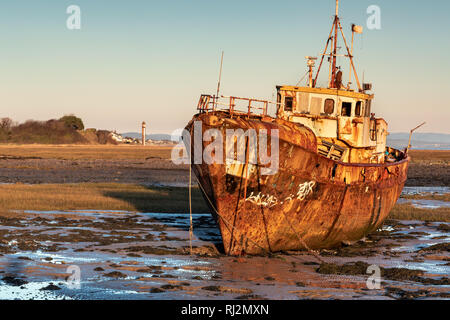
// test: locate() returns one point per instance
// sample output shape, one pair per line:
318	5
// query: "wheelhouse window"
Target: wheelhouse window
358	109
288	103
346	109
328	107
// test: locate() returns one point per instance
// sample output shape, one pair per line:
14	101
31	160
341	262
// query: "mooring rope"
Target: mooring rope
191	227
302	241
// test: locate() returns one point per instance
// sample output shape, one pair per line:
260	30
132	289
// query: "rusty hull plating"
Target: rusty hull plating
312	200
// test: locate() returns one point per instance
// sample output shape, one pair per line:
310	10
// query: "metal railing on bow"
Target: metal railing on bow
234	105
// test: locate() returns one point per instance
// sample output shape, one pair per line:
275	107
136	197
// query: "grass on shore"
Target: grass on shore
428	196
428	156
85	152
100	196
406	211
79	152
132	197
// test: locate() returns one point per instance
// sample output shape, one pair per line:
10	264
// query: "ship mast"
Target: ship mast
335	26
335	79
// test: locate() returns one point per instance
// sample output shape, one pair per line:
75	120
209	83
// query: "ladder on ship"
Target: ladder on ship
331	150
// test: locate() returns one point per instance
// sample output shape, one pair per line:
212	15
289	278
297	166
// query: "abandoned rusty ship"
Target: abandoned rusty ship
337	180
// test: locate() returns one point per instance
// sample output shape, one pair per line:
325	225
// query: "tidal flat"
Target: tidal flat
108	222
99	254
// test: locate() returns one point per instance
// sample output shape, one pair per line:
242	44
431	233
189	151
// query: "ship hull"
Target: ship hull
310	202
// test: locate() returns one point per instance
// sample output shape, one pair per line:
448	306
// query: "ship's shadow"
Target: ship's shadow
163	200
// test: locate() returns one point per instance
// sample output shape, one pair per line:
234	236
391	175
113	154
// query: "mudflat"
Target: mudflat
150	165
117	216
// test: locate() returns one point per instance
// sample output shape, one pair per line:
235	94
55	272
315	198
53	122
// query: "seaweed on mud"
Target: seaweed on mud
403	237
401	274
353	268
115	274
134	255
443	227
212	288
161	250
156	290
172	287
186	284
152	267
249	297
311	263
395	274
50	287
10	222
436	282
24	258
398	293
13	281
437	247
356	250
203	251
6	249
228	289
166	275
142	270
419	233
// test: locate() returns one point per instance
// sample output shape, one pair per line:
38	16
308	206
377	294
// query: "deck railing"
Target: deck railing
234	105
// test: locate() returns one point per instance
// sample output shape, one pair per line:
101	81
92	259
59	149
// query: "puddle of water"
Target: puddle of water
425	204
420	190
30	291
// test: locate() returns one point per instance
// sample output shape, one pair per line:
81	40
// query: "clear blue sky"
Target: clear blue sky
150	60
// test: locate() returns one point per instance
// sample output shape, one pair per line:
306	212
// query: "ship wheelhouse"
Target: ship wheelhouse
342	121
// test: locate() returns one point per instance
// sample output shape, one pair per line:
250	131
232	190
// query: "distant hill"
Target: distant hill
426	141
398	140
66	130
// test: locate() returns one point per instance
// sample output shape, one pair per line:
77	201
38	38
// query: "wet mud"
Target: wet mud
154	171
127	255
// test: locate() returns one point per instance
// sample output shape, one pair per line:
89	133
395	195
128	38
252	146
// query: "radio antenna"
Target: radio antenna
220	77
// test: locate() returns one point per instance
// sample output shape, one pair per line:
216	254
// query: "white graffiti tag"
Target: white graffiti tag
264	200
304	189
269	201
